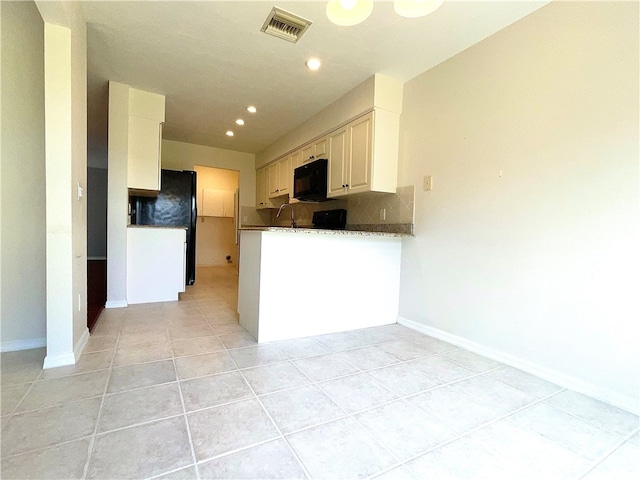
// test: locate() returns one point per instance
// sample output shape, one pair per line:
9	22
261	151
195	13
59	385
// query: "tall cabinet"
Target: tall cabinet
146	116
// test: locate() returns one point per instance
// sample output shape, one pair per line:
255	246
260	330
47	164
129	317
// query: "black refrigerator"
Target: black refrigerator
175	206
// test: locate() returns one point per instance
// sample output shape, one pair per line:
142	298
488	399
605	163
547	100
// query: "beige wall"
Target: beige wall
23	287
117	195
185	156
350	105
215	236
65	68
540	263
216	178
215	239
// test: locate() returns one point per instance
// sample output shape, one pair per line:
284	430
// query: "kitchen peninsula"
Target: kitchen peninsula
300	282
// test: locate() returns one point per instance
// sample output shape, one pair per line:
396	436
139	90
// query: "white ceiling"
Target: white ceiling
211	60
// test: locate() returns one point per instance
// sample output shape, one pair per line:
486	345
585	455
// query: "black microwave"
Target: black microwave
310	181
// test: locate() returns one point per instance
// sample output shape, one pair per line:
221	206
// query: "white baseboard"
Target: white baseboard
68	358
77	351
606	395
15	345
59	360
116	304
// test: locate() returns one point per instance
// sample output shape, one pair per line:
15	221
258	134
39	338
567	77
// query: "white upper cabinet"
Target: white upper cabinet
314	150
217	203
273	179
320	148
146	115
262	188
337	153
363	155
143	167
279	181
308	153
359	146
284	176
296	161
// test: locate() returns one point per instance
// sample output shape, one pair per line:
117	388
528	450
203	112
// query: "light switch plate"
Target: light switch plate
428	183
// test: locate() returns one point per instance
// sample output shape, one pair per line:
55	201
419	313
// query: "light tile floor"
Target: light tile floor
180	390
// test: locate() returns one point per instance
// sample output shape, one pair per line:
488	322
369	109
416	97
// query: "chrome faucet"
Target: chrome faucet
293	223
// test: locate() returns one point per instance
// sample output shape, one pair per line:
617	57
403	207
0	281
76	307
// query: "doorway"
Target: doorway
218	203
96	235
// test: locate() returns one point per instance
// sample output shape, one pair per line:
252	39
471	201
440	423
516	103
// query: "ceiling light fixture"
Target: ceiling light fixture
416	8
313	64
349	12
229	133
251	109
240	121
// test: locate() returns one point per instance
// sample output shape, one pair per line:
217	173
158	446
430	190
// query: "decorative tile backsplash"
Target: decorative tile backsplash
363	212
365	209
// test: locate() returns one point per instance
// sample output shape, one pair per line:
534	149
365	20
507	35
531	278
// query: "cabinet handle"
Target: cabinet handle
347	185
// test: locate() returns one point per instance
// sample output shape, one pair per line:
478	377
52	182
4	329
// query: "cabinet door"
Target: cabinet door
272	182
143	166
212	203
296	161
284	176
359	144
308	153
320	148
261	188
337	159
228	204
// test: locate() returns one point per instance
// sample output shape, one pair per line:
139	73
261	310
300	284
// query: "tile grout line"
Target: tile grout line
401	463
42	449
586	420
92	441
478	427
279	430
594	464
315	383
366	430
186	419
14	411
346	415
298	368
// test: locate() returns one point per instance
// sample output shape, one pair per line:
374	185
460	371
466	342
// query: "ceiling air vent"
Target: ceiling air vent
285	25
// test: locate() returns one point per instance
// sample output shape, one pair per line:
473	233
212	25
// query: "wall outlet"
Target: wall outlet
428	183
245	219
383	214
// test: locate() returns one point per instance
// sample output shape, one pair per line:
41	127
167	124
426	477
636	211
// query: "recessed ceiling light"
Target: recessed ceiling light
229	133
251	109
313	64
240	121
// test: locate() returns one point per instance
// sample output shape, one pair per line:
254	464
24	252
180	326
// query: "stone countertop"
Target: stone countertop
157	226
319	231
